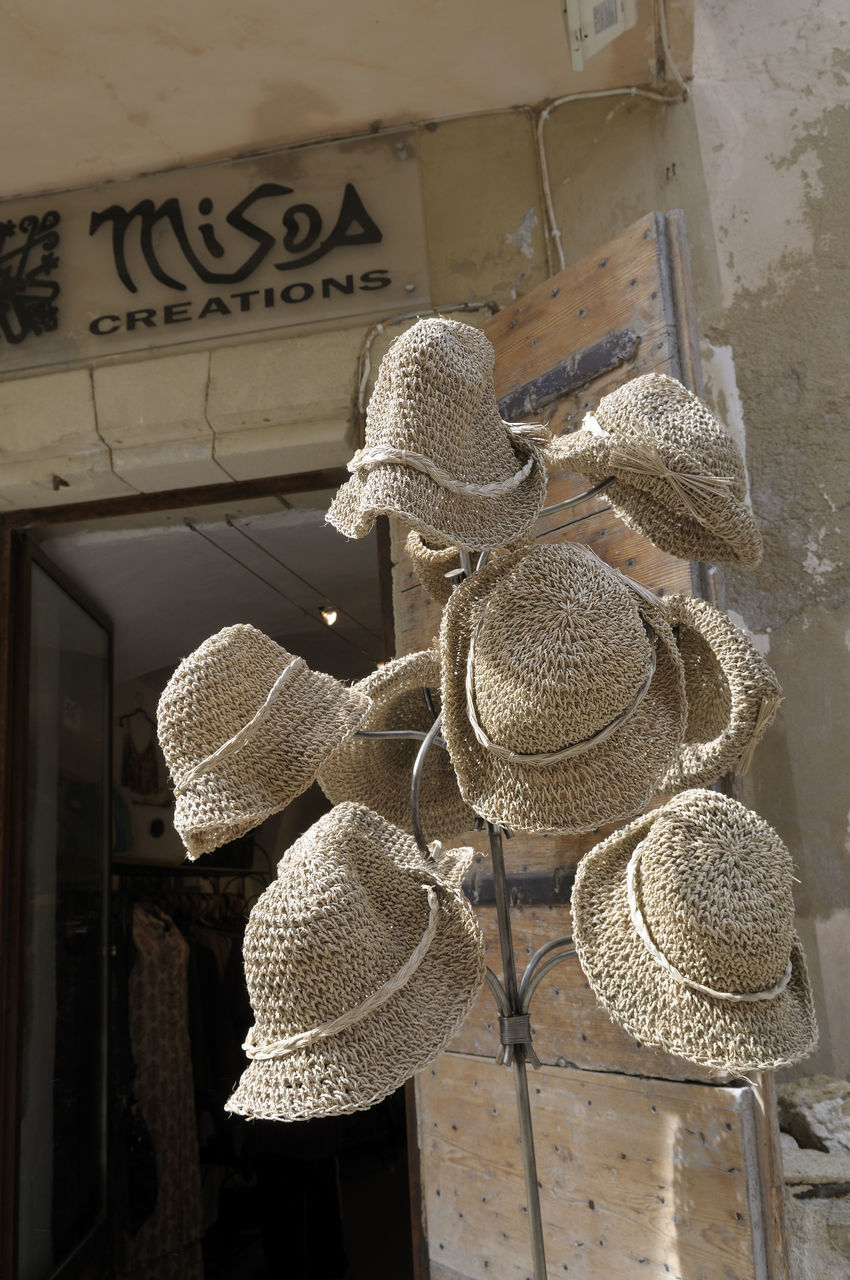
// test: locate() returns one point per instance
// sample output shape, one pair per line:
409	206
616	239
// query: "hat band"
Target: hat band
643	458
239	739
737	997
303	1039
574	748
377	455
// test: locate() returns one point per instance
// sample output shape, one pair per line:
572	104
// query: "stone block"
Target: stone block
50	414
292	380
58	479
149	400
173	464
282	450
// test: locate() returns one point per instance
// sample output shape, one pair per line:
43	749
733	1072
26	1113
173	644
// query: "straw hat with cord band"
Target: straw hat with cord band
679	477
362	960
683	923
245	727
376	772
733	694
437	452
563	691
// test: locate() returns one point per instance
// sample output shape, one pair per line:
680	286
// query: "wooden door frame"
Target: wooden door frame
14	602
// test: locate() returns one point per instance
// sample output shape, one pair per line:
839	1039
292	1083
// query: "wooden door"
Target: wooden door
648	1166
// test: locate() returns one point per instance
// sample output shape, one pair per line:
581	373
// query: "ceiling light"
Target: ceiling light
329	615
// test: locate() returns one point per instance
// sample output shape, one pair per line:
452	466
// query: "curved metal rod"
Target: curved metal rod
541	974
579	497
429	703
416	783
535	961
499	993
466	562
418	735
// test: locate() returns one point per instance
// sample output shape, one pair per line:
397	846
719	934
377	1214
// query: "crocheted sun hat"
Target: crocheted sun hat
376	772
684	926
732	694
362	960
563	691
437	452
431	564
245	727
680	478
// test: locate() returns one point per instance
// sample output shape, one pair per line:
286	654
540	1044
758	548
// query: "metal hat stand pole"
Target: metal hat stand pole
512	994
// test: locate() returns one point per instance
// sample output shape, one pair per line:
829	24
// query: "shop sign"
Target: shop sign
298	237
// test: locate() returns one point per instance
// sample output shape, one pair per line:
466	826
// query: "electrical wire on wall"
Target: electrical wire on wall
552	230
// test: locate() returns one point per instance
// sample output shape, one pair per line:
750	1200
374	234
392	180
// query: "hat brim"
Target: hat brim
752	688
652	509
377	772
273	767
608	783
650	1005
360	1066
473	522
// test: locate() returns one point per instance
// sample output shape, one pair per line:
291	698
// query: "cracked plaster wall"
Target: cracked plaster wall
758	159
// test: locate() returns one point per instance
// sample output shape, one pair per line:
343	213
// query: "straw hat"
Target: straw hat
431	564
732	694
679	476
437	452
684	927
362	960
563	691
376	772
245	727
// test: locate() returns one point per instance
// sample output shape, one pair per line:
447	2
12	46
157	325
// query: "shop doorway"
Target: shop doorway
153	1009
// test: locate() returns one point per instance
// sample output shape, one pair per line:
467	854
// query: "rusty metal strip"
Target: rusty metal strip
616	348
531	889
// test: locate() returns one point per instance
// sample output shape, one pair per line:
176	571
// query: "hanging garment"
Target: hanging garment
140	768
168	1245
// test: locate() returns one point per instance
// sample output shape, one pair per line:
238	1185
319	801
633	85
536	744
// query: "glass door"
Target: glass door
64	881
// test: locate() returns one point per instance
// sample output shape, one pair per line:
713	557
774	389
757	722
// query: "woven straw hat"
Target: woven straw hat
245	727
362	961
563	691
680	478
437	452
732	694
704	962
376	772
431	564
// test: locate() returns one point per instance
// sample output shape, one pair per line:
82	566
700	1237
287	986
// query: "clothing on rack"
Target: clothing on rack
167	1246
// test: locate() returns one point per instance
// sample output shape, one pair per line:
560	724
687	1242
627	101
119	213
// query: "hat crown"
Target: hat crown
714	888
559	652
434	395
659	410
215	691
339	921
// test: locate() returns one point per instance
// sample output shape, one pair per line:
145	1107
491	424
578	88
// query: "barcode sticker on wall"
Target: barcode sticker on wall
604	16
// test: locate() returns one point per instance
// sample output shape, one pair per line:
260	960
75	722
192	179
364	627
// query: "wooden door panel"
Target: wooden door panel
639	1178
647	1165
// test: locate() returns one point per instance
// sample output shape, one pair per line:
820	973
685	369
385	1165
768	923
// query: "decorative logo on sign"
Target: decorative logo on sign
27	258
302	228
296	237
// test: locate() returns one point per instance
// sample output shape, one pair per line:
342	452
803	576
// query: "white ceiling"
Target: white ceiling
167	587
93	90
